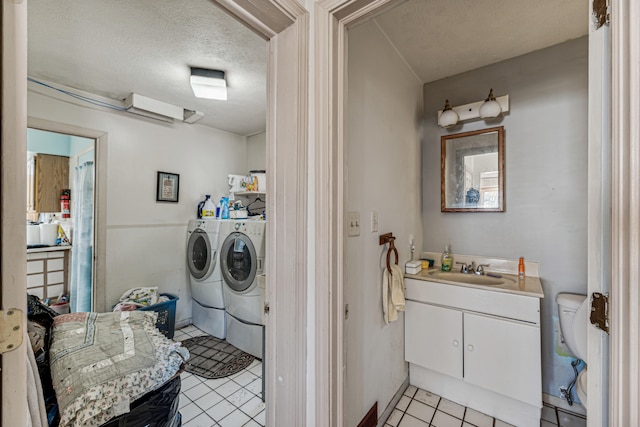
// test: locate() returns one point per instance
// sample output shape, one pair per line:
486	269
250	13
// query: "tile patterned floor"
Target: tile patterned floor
234	401
419	408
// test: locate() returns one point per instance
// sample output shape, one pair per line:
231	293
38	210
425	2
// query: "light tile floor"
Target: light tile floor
234	401
419	408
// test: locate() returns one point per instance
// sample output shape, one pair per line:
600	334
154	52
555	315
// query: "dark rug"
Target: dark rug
214	358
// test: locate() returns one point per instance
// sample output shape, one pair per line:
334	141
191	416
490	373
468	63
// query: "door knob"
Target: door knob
470	347
455	343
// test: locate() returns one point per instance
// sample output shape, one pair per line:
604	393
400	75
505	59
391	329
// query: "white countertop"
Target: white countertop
528	286
49	249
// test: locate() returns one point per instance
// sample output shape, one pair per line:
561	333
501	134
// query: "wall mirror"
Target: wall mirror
472	171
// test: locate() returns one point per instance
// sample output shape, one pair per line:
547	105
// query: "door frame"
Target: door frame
100	138
284	24
625	214
332	19
13	201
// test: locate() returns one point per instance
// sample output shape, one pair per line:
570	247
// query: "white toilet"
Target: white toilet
573	311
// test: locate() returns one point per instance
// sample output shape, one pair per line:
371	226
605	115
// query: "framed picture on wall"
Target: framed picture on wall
168	187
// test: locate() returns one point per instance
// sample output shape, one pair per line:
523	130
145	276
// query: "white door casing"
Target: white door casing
625	214
99	302
13	193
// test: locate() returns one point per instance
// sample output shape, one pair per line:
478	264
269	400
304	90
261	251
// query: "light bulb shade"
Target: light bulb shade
448	117
490	108
210	84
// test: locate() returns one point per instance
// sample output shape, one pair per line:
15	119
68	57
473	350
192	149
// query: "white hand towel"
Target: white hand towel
392	293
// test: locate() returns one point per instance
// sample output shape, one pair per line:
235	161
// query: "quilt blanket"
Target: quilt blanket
100	362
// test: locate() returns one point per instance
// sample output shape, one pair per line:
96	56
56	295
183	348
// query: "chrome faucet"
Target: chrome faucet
480	269
471	268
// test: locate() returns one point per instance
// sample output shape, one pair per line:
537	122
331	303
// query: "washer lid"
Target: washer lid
238	261
200	259
580	322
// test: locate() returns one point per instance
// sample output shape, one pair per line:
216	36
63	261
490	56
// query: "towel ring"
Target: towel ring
389	238
395	252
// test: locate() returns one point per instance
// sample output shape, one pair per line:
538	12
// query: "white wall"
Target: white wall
257	152
146	239
383	174
545	177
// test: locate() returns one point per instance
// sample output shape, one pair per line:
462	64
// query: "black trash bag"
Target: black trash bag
158	408
39	312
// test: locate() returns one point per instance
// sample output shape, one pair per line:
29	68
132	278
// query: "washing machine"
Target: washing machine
203	248
242	254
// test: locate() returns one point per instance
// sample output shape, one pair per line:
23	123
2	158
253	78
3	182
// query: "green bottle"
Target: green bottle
447	259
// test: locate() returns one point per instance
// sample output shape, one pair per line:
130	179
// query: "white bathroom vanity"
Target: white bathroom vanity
477	344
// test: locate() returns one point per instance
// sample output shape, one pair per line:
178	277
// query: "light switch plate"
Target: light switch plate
353	224
374	221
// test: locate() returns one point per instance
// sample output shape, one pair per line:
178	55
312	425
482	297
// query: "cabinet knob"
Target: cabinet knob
455	343
470	347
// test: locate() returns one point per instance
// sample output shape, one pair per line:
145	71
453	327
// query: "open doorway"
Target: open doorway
60	215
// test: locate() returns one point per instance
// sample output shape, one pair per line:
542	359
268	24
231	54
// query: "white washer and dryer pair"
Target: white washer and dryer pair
203	247
242	256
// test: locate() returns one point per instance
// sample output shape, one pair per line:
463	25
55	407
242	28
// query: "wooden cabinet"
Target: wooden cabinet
487	339
47	175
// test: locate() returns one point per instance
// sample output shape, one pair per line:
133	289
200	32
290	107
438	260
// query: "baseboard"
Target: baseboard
394	401
182	324
558	402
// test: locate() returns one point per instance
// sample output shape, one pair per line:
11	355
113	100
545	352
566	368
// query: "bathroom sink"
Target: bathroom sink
470	279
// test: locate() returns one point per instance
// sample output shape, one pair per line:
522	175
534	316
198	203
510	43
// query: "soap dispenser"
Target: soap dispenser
447	260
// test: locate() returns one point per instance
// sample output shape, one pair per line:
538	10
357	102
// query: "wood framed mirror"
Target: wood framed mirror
472	171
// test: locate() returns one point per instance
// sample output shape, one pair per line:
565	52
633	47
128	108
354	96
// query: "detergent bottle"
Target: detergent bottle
206	208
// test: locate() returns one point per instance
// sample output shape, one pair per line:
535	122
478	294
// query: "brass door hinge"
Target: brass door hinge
10	329
599	315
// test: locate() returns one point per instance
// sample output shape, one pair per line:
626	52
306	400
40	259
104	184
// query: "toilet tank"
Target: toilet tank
568	305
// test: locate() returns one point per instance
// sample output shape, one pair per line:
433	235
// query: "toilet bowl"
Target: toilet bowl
573	311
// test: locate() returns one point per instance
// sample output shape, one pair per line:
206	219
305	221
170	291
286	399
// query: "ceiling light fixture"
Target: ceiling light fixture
210	84
491	108
448	117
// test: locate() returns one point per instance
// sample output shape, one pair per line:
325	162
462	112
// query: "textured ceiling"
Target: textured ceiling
440	38
115	47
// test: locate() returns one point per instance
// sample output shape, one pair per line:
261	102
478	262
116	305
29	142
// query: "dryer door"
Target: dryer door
238	261
200	258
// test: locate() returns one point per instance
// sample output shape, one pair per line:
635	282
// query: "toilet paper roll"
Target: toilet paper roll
33	235
48	234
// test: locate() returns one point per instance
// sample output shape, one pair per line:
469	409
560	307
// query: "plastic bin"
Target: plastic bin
166	322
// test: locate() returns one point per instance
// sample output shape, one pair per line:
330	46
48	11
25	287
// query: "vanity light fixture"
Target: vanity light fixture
490	108
210	84
448	117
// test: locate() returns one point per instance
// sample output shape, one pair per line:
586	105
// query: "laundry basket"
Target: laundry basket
166	310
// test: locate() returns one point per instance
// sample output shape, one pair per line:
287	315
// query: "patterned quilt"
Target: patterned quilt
102	362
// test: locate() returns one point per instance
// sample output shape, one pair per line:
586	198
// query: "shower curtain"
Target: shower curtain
82	253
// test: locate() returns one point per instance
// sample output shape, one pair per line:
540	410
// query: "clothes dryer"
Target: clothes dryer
242	254
203	246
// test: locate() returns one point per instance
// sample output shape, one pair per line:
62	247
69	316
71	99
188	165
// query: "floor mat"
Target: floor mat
214	358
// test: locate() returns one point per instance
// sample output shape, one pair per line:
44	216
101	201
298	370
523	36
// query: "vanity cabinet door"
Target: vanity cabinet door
502	356
433	338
